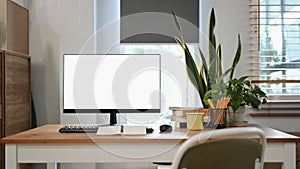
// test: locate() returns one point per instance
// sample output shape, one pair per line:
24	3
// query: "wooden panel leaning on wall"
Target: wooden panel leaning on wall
17	28
15	93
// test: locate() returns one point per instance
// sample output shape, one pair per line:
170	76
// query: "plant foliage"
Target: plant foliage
240	91
209	72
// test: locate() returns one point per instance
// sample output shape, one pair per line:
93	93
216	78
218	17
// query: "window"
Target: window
275	41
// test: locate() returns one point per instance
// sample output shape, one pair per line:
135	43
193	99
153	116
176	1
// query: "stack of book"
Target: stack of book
179	115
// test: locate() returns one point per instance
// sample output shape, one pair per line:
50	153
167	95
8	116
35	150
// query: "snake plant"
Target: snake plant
209	72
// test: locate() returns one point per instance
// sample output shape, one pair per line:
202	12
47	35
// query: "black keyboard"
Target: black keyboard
88	129
79	129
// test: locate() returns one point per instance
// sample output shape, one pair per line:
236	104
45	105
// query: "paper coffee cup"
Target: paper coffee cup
195	121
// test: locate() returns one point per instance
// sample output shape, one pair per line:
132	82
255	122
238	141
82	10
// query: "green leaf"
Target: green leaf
197	80
180	42
255	102
224	75
212	71
203	83
177	25
219	52
212	45
207	96
218	64
242	79
264	101
212	24
193	73
205	67
236	57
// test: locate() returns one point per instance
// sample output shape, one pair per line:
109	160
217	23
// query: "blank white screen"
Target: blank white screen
111	82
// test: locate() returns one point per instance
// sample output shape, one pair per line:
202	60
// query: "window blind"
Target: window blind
151	21
275	45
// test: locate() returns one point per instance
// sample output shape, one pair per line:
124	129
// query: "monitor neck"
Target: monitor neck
113	118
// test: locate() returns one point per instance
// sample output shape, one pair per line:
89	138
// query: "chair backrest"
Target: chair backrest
204	151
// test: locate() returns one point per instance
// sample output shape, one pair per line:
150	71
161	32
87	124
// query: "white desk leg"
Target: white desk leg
51	165
11	161
290	156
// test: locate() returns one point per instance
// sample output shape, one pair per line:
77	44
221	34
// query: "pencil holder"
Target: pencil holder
218	118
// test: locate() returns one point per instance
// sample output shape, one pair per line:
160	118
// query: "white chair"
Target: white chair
203	151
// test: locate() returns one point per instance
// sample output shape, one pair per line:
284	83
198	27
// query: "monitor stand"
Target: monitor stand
113	118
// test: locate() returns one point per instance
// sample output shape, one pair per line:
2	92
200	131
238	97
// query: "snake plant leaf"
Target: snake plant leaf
212	24
180	42
212	54
203	83
195	78
220	72
202	76
193	72
212	73
236	57
205	67
218	64
224	75
178	25
190	63
212	37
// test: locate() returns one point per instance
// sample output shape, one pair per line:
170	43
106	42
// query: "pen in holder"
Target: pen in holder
218	117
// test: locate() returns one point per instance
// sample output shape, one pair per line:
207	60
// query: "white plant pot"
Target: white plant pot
237	116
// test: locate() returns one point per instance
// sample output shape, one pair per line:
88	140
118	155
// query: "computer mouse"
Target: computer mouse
149	130
165	128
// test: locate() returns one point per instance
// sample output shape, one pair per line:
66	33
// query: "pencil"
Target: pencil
211	104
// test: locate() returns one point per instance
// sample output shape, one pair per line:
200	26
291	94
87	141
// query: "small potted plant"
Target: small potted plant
241	93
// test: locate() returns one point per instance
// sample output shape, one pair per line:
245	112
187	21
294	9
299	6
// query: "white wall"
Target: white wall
56	27
232	17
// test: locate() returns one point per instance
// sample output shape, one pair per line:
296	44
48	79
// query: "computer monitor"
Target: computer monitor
97	84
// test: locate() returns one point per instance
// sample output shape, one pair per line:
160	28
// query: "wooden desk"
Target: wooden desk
46	145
